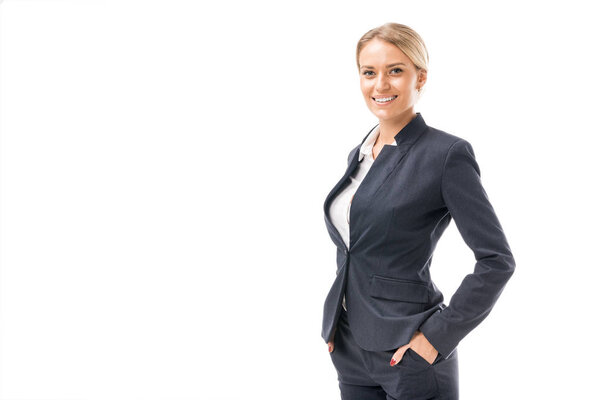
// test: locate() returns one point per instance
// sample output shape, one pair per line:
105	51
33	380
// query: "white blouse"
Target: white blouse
339	210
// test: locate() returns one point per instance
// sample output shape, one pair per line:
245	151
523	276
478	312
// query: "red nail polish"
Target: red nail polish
330	348
393	362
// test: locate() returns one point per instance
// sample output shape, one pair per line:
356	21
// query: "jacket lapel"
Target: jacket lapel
333	232
386	162
389	159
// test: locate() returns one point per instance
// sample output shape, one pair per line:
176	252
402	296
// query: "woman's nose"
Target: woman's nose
382	83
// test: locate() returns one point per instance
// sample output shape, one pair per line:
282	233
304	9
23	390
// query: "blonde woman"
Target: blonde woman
390	333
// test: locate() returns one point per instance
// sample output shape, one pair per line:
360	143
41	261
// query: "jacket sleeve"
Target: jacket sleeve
468	204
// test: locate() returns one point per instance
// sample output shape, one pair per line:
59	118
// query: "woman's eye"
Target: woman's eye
368	73
396	71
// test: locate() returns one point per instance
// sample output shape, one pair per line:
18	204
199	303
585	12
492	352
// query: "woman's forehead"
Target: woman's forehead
378	52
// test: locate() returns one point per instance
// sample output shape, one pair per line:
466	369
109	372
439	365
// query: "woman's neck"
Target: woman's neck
389	128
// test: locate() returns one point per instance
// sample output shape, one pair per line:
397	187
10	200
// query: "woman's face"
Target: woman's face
389	80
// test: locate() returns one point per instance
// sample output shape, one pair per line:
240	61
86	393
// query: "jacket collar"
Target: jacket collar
366	149
407	135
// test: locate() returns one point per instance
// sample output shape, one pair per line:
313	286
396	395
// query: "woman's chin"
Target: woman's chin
390	115
385	115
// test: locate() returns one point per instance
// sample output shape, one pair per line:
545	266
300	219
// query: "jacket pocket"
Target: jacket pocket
384	287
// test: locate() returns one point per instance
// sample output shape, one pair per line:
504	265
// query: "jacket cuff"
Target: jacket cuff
439	334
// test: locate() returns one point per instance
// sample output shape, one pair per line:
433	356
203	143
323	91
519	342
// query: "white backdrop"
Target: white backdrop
163	171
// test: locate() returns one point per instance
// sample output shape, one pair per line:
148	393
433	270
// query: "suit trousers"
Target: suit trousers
367	375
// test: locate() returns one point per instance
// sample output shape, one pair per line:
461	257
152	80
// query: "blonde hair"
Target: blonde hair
403	37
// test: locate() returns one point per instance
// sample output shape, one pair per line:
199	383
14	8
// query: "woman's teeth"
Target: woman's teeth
385	99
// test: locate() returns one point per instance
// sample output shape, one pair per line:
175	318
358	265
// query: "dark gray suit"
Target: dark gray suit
398	214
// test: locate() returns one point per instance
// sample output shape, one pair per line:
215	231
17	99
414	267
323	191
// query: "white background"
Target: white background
164	166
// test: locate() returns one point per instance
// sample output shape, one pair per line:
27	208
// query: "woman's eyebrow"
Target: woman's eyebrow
387	66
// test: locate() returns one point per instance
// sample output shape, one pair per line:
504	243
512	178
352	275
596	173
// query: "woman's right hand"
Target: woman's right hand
330	343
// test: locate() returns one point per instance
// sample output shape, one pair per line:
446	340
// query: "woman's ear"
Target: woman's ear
421	78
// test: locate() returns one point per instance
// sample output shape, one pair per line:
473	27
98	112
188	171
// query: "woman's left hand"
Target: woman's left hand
420	345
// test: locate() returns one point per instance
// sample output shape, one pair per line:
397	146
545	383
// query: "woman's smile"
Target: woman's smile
383	100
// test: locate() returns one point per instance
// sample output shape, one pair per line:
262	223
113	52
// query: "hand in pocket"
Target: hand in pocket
420	345
330	343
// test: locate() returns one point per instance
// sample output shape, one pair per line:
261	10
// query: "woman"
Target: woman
390	334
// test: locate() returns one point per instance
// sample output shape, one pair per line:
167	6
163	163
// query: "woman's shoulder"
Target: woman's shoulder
443	137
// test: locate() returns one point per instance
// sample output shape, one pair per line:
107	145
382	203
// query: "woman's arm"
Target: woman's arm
476	221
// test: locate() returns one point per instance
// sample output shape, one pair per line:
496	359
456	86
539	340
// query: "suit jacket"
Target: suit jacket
399	211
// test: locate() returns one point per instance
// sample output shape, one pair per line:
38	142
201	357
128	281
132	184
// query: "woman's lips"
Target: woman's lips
382	100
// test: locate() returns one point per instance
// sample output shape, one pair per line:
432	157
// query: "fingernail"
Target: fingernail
393	362
330	348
